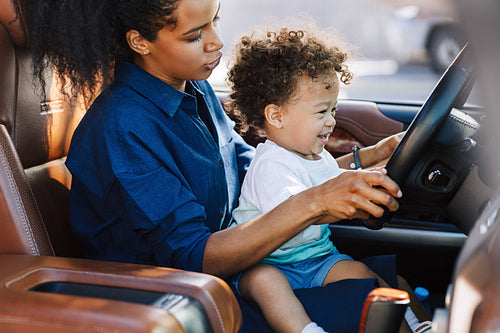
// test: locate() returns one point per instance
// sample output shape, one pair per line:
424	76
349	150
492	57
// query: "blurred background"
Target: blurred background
402	46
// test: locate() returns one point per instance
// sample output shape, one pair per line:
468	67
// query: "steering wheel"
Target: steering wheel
450	92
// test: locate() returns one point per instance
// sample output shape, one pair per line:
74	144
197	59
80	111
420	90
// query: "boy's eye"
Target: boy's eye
333	112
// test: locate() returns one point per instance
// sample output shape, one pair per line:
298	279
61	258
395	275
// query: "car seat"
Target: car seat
44	287
41	131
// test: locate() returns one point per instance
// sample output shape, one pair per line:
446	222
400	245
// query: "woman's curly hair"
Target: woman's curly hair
82	39
266	71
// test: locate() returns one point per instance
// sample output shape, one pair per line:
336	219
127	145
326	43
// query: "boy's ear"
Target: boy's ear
274	115
137	42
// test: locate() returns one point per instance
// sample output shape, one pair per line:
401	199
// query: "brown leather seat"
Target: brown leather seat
43	288
41	131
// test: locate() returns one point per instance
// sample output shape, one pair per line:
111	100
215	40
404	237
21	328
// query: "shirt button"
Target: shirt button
220	164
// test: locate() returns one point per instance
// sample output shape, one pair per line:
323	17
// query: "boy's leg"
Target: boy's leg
270	289
351	269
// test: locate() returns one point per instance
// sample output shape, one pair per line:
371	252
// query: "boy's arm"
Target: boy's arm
373	156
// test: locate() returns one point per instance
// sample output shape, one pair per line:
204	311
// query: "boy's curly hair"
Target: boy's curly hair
266	71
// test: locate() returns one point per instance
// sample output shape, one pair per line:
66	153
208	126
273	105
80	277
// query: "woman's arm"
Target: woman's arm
350	195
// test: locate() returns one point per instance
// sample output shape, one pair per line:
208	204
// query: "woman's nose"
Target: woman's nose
215	42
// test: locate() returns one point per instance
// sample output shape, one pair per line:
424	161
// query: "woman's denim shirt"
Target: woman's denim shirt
155	171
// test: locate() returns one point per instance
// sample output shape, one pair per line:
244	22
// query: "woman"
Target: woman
156	165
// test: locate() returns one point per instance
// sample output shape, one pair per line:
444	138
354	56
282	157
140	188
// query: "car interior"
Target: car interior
48	286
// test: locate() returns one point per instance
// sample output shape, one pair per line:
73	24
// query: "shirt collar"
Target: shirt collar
158	92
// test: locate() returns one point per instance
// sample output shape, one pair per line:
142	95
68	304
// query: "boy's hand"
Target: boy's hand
379	154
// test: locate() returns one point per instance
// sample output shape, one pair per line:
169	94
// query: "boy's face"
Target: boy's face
308	117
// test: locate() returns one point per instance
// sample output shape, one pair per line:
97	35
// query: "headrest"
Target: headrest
11	18
41	129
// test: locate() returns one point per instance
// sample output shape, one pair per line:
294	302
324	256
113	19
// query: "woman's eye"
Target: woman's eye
195	39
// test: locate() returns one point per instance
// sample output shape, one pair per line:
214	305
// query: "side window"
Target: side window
399	47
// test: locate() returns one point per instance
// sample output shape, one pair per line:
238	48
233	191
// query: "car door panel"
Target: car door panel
359	123
365	121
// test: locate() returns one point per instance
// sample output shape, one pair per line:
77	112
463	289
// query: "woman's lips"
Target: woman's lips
213	64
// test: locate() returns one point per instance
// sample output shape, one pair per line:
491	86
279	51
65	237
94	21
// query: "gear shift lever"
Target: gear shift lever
383	311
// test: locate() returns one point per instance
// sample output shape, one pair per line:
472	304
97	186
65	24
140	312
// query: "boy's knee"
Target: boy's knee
260	275
261	280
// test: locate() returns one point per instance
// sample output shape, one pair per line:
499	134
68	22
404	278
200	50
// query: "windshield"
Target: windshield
400	48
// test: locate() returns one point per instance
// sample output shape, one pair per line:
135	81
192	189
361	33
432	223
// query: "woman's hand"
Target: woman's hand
354	194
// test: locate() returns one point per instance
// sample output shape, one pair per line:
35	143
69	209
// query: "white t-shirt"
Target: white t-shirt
274	175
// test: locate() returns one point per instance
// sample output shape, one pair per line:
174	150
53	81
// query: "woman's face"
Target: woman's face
191	50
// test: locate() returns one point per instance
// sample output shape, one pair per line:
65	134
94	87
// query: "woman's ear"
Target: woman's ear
137	43
274	115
